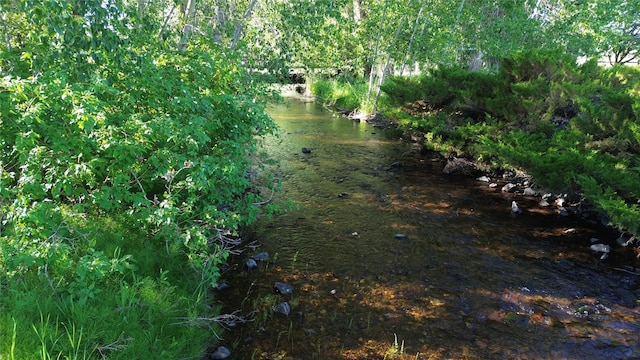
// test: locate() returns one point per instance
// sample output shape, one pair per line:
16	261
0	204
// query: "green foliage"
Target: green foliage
350	95
138	308
403	90
573	127
102	122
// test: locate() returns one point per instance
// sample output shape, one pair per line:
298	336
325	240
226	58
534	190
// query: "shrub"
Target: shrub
573	127
100	122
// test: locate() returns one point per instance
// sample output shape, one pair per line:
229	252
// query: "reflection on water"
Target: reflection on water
404	261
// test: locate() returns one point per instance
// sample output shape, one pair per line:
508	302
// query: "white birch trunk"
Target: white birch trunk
413	35
188	16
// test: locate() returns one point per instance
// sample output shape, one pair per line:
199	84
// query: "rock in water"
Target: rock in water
282	309
282	288
251	264
515	208
457	166
306	150
263	256
600	248
509	187
220	353
223	286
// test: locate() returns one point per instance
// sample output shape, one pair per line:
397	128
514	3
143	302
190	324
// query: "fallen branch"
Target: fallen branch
627	271
232	244
266	201
227	321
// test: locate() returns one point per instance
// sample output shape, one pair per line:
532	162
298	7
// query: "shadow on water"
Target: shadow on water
391	260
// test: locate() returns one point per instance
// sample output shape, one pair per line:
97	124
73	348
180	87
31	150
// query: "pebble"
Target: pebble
263	256
283	309
282	288
251	264
221	353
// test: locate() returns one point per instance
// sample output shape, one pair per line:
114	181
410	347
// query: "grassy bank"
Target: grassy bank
574	128
125	298
120	166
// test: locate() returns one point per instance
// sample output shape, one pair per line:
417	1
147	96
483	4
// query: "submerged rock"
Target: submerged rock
283	309
515	208
263	256
223	286
251	264
220	353
282	288
600	248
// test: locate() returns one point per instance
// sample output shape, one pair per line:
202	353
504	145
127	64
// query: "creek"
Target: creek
390	258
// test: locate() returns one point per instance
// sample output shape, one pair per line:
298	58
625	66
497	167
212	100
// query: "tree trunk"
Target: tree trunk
374	57
220	24
413	35
385	69
237	33
308	82
357	13
164	23
476	61
188	16
141	8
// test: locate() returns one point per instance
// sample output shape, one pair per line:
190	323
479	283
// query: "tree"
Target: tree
100	117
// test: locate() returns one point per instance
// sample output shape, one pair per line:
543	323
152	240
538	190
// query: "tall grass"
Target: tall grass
347	95
137	314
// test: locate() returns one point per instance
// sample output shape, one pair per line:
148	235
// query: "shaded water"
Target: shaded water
466	281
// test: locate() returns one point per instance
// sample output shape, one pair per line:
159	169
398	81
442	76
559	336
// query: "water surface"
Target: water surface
391	258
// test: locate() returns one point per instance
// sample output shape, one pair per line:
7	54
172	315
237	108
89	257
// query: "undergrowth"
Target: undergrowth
573	127
134	308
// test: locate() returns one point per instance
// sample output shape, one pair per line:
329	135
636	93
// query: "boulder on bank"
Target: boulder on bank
460	166
378	120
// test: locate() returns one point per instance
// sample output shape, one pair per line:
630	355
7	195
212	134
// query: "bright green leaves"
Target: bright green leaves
572	127
96	124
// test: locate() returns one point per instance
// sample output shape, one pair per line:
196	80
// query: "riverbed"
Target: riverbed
388	257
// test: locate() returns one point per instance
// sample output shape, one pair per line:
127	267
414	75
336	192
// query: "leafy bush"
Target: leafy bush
573	127
351	96
100	121
403	90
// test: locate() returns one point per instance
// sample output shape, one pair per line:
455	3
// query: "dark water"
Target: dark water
466	280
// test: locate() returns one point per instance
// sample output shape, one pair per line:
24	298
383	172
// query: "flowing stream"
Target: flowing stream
390	258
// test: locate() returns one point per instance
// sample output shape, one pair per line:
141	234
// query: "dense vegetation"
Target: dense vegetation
127	129
123	176
573	127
